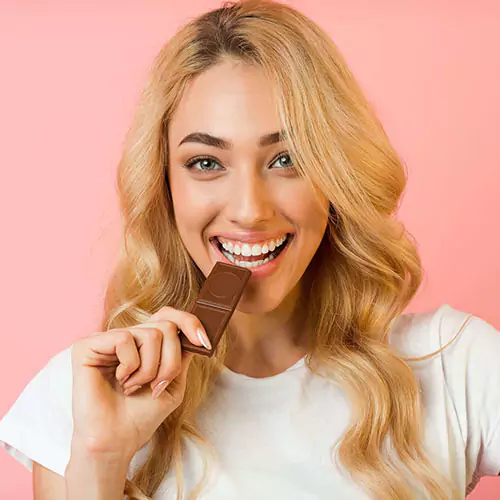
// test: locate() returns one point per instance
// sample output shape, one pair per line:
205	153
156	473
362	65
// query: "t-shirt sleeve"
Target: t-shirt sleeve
472	371
39	426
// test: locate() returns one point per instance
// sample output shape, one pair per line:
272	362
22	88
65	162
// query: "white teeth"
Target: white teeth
244	263
248	250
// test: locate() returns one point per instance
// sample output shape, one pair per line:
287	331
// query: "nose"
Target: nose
251	201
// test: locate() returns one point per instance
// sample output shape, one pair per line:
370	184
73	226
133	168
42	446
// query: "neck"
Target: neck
265	344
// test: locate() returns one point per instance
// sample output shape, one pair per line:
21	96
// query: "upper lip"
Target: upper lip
250	236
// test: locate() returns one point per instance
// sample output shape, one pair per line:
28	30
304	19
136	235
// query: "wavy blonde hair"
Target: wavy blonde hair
363	275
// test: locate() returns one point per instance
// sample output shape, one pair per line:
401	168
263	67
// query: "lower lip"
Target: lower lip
261	271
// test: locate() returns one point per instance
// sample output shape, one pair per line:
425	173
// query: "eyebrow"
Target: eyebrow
218	142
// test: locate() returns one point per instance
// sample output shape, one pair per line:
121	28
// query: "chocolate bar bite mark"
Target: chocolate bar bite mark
216	303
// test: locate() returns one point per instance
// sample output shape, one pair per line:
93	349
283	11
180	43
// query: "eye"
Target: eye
282	156
206	162
203	160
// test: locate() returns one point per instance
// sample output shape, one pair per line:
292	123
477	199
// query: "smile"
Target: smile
254	256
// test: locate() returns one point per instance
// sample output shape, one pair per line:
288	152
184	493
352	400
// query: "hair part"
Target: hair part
363	275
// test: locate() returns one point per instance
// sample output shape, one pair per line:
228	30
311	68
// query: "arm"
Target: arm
95	476
47	484
88	476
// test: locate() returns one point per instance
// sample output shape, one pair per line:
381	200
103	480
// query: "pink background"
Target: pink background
71	74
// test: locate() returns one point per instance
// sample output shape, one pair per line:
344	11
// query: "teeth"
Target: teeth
256	250
249	264
246	250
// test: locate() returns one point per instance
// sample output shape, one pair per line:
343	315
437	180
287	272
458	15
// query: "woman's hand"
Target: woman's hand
119	422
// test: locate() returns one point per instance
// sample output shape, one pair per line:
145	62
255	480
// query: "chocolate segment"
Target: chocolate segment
216	303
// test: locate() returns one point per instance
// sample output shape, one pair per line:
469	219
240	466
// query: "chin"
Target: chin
254	301
253	308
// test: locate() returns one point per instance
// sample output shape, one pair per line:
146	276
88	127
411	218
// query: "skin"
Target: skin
246	188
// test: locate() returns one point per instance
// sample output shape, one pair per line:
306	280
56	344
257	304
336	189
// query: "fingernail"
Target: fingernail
160	388
204	338
130	390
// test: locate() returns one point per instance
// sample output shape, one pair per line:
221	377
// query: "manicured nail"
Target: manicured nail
160	388
130	390
204	338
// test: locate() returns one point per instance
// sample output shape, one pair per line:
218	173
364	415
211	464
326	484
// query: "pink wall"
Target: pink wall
71	73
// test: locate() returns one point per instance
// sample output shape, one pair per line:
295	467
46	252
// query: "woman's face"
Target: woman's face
241	192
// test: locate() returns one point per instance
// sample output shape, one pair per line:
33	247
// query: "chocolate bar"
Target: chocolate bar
216	303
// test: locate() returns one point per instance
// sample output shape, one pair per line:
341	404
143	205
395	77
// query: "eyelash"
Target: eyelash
189	164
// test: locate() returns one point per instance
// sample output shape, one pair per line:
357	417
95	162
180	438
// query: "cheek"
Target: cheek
194	206
307	213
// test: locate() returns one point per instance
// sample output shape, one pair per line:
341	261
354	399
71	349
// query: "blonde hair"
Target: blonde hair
363	275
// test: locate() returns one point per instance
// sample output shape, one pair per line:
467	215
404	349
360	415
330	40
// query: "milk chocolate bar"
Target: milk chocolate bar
216	303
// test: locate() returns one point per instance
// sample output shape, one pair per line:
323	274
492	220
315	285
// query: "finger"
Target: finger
149	342
116	344
177	387
171	355
187	322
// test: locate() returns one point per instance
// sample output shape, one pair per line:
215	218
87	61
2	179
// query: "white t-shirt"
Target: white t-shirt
273	435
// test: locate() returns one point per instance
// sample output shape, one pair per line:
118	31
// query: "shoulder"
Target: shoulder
472	370
54	381
460	332
39	425
463	377
469	342
457	345
473	332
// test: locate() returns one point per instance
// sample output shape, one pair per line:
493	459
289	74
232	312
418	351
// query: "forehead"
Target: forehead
230	100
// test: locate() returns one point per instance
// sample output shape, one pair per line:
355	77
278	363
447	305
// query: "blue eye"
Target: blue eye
203	160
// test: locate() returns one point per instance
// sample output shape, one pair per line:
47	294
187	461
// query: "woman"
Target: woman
254	145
